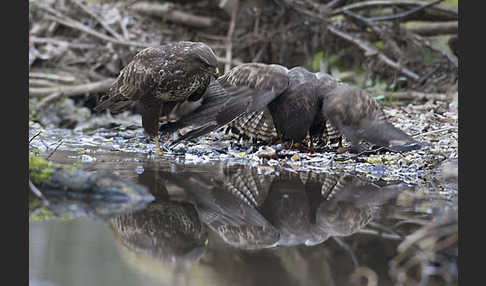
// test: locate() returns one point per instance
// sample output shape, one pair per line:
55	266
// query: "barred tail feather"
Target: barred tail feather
256	125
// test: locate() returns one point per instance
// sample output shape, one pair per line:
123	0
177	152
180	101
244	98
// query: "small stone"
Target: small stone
86	158
139	170
180	148
278	147
267	153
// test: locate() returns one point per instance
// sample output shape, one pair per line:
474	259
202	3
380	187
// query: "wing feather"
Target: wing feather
243	90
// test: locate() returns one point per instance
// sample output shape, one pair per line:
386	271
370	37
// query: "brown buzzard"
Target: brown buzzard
291	104
358	116
161	79
285	103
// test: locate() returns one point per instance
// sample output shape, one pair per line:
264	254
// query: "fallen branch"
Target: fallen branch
92	87
434	29
38	193
435	131
371	51
413	95
48	99
40	82
167	11
33	137
55	149
51	76
36	40
405	14
434	13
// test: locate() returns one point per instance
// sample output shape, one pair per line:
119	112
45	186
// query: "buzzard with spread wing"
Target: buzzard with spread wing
290	105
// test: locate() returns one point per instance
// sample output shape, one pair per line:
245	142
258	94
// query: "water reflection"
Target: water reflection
220	224
254	211
167	230
246	208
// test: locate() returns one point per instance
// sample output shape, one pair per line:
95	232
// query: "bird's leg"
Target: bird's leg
150	111
311	143
311	146
340	148
158	151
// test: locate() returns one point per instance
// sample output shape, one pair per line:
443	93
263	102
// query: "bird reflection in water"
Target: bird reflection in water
252	210
166	230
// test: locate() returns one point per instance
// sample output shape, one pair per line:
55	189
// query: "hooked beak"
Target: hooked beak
216	73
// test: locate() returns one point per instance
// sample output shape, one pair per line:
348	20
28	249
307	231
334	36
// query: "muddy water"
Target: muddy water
224	222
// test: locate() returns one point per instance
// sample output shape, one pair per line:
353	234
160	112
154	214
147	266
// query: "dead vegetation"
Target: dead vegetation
77	48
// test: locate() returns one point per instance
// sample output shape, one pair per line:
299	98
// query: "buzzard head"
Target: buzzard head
205	59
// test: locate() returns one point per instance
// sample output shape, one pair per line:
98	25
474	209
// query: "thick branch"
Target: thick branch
50	76
99	86
434	29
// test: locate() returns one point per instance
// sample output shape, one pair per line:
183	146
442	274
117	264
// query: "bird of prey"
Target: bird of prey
358	116
163	80
285	104
297	103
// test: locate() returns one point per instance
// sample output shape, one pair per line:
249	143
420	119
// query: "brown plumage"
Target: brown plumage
160	79
290	105
358	116
284	104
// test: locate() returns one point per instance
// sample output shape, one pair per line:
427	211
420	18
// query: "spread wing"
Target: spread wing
243	90
226	209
